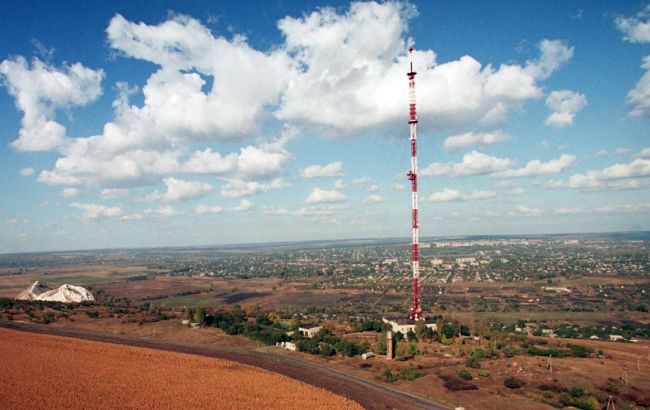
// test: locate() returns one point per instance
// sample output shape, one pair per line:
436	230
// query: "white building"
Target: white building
309	330
403	326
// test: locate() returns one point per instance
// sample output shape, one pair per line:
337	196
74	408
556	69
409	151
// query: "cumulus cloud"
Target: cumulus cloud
321	211
245	80
632	175
243	206
625	208
114	193
333	169
69	192
180	190
40	89
163	212
237	188
563	106
352	73
275	210
319	195
527	211
537	167
638	99
635	29
644	153
473	163
447	195
361	181
470	139
26	172
373	199
93	212
205	209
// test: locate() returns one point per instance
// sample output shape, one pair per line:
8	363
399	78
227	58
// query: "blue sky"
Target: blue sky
192	123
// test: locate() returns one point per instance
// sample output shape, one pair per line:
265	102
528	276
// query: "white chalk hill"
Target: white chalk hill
65	293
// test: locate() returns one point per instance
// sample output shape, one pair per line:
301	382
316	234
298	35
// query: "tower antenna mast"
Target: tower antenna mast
412	175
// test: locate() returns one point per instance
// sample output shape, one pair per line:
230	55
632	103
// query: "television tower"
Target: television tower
412	175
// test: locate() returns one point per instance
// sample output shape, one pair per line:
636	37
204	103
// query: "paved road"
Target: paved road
370	394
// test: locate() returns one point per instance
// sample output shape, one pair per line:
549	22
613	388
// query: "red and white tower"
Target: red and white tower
412	175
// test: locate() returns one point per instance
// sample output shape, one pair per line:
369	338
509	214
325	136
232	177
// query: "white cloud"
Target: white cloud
40	90
163	212
333	169
601	153
352	73
526	211
373	188
180	190
609	209
563	106
638	99
373	199
644	153
474	163
361	181
26	172
69	192
319	195
568	211
114	193
243	206
447	195
245	80
12	221
92	212
632	175
321	211
399	186
274	210
537	167
339	184
238	188
635	29
205	209
457	142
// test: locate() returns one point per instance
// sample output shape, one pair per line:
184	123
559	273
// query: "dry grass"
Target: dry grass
42	371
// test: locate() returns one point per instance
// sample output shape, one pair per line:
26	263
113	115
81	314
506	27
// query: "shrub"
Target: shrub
586	404
513	383
509	351
465	374
473	362
410	374
454	383
613	388
483	373
556	388
580	351
388	376
576	391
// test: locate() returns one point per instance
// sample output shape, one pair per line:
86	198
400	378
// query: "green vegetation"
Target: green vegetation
514	383
465	374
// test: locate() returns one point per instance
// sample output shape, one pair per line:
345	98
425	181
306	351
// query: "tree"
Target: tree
421	330
188	313
199	315
411	336
379	347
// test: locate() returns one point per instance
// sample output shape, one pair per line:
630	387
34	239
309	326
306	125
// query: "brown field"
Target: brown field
54	372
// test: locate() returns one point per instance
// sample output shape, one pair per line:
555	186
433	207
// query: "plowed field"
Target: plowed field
54	372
